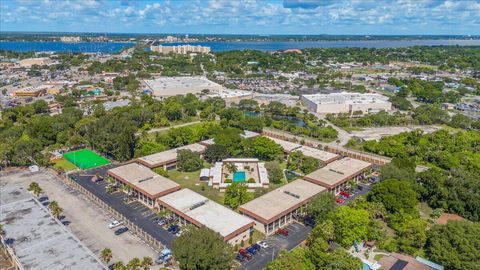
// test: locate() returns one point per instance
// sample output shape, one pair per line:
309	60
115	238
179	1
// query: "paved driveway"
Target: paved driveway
134	211
297	233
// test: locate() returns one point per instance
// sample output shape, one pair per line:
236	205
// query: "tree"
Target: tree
147	262
265	148
350	225
275	173
324	230
310	164
411	236
106	255
395	195
455	245
321	206
188	161
118	266
133	264
341	260
288	260
294	161
202	249
214	153
35	188
230	139
236	194
55	209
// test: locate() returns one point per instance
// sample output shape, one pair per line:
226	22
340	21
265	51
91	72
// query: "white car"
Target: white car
114	224
263	244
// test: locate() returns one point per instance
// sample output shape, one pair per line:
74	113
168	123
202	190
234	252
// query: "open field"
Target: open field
191	180
86	220
86	159
378	133
65	165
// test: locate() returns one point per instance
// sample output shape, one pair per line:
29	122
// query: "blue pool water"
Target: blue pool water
239	177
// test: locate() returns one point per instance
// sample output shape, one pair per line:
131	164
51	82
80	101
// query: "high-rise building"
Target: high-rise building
181	49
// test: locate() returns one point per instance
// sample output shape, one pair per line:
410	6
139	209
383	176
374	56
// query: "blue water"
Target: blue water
239	176
56	46
219	46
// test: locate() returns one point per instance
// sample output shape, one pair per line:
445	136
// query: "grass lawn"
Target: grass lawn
191	180
378	257
64	164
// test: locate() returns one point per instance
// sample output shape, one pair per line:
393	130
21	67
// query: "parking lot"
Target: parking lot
133	211
83	218
297	233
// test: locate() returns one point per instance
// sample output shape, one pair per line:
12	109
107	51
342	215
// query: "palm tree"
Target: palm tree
133	264
106	254
118	266
35	188
231	167
55	209
147	262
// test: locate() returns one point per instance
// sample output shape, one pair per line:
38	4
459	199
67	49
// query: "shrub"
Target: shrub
228	180
251	180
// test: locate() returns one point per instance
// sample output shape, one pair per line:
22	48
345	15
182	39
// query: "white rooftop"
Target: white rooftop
281	201
289	147
168	156
172	86
338	171
203	211
39	240
144	179
346	98
227	93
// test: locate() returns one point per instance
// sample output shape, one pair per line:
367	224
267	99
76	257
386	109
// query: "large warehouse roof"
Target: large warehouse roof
172	86
144	179
337	172
39	240
281	201
203	212
165	157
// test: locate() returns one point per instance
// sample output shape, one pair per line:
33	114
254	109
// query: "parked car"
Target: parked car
344	193
175	230
282	232
240	257
263	244
245	253
114	224
338	200
121	230
251	250
309	221
256	246
162	221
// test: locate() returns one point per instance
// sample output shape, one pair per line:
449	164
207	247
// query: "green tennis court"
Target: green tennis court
85	159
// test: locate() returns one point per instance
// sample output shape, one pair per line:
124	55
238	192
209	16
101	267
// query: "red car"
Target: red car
344	193
338	200
245	253
282	232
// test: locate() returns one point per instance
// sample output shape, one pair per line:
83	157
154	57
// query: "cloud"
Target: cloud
244	16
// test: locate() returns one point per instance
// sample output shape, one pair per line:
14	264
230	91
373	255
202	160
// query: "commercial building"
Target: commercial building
345	102
193	208
144	184
36	240
231	96
335	175
280	207
31	91
168	159
171	86
40	61
323	156
248	171
180	49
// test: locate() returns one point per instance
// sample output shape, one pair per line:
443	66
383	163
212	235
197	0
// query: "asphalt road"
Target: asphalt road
297	233
135	212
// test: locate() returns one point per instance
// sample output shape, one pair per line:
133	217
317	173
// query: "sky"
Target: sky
302	17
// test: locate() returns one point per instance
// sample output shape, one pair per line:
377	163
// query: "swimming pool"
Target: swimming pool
239	176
